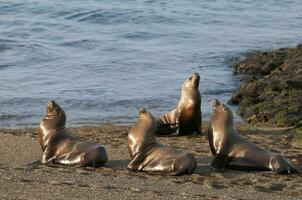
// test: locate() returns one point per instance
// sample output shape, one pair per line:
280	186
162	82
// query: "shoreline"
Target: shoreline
24	177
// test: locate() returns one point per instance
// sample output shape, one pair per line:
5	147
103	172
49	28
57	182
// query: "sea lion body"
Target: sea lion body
185	119
147	155
230	150
60	147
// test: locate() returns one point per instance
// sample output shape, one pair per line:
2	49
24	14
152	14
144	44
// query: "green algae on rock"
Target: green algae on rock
271	89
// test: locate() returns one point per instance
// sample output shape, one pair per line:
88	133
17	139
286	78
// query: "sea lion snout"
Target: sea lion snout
51	105
196	75
215	104
195	78
192	81
53	109
144	114
142	110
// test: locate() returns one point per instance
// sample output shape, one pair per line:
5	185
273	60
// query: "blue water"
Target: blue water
102	60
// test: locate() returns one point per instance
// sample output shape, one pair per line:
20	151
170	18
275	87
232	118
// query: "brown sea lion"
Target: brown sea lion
147	155
60	147
185	119
232	151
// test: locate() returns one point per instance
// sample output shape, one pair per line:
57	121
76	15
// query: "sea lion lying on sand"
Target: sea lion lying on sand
185	119
60	147
147	155
230	150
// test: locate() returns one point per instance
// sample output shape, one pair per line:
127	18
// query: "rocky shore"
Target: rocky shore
271	89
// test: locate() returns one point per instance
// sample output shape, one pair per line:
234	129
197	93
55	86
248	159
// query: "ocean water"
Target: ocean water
102	60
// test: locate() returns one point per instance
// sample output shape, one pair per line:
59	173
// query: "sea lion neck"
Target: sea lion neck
218	127
222	121
190	93
149	127
53	122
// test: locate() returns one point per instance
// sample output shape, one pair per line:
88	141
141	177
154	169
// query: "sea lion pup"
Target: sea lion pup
147	155
60	147
230	150
185	119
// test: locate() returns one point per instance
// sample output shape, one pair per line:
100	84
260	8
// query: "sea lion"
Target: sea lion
185	119
147	155
232	151
60	147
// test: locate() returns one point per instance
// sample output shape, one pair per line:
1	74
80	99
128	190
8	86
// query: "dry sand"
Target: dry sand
22	177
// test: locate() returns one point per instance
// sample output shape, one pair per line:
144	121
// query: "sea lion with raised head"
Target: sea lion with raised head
232	151
185	119
147	155
60	147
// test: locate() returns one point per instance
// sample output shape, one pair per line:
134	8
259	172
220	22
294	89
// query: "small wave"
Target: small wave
79	15
99	16
2	66
142	36
77	43
137	103
217	91
4	117
10	7
108	106
121	17
106	18
6	45
23	102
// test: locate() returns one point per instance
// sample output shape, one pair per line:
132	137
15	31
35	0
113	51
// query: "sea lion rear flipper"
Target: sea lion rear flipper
136	161
219	161
289	169
167	123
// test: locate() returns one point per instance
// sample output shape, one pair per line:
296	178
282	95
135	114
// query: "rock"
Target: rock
271	90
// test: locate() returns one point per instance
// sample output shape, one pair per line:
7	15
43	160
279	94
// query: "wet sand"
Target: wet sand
23	177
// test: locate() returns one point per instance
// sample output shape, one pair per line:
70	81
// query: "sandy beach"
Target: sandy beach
23	177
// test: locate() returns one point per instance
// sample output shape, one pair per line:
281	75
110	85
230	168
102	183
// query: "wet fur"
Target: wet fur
230	143
149	156
185	119
60	147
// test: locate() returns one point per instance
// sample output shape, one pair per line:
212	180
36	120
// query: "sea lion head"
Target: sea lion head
144	114
192	81
222	115
147	117
55	114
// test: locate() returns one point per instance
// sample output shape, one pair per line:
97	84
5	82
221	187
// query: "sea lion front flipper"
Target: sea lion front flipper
47	156
136	161
210	138
219	161
199	129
